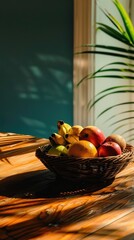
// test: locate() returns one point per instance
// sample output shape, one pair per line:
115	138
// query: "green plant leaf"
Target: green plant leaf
119	127
114	54
130	139
115	87
84	78
123	68
119	113
128	130
121	120
126	19
127	77
116	24
109	47
111	93
102	69
114	34
114	106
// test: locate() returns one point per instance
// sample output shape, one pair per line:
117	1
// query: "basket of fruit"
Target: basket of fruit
77	153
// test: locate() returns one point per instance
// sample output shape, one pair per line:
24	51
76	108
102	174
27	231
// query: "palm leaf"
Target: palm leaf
119	113
121	120
115	22
130	139
119	127
114	34
119	69
92	102
113	48
114	87
114	54
128	130
124	70
111	93
117	25
92	75
115	76
114	106
126	20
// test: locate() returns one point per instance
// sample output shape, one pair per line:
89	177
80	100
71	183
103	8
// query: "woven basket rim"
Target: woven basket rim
129	150
77	169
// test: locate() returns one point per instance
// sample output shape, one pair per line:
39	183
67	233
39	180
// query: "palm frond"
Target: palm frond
120	127
130	139
119	113
114	87
121	69
126	19
114	54
127	77
114	34
94	74
121	120
128	130
109	47
124	70
114	106
111	93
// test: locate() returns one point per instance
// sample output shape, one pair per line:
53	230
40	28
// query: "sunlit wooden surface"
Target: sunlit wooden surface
34	205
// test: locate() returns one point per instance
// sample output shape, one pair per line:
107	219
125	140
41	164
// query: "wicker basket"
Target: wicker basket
85	169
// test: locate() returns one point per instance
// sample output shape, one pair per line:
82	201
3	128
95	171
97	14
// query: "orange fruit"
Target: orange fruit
82	148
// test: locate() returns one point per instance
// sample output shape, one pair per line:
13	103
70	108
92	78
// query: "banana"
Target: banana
71	138
63	127
73	134
58	139
75	130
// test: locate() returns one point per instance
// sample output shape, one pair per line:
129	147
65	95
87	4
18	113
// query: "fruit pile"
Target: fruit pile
89	141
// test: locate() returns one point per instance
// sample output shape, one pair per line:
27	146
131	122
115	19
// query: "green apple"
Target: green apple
58	150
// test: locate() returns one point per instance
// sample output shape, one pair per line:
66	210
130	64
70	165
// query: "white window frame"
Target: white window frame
83	24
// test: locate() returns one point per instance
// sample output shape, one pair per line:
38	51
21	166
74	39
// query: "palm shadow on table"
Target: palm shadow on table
43	183
31	185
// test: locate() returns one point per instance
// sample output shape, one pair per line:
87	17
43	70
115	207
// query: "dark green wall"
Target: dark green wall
36	65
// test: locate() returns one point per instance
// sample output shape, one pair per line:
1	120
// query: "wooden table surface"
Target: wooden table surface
34	205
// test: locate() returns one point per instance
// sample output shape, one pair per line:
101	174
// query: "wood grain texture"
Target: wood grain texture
34	204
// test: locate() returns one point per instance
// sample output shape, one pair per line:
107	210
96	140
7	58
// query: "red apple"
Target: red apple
92	134
118	139
109	149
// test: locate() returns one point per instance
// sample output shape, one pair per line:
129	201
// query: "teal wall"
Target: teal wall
36	65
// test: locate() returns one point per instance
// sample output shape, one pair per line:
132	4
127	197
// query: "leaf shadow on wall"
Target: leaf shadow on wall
36	67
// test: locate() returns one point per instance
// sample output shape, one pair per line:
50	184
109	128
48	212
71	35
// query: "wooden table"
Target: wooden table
34	205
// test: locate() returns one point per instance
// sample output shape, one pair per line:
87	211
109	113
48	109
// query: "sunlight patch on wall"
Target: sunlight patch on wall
53	59
36	71
28	96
